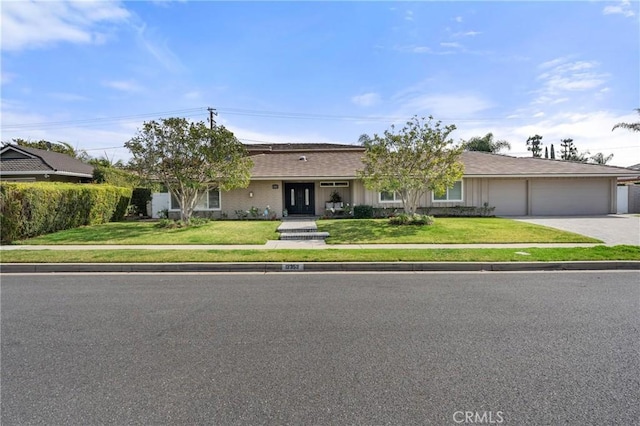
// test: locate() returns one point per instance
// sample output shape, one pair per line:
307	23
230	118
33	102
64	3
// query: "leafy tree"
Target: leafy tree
486	144
570	152
634	127
534	144
189	159
419	157
599	158
59	147
553	153
546	152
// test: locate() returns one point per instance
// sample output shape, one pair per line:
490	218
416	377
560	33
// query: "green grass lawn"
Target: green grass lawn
324	255
445	231
147	233
342	231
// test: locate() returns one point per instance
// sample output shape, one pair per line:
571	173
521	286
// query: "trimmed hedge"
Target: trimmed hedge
363	211
31	209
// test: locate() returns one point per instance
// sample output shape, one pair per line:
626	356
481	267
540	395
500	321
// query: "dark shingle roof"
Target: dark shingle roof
44	161
345	164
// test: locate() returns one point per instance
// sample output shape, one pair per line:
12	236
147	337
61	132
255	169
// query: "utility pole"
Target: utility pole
212	112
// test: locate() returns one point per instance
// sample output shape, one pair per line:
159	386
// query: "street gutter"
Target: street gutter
292	267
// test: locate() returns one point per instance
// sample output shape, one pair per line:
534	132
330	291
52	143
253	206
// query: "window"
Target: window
208	201
390	197
452	194
334	184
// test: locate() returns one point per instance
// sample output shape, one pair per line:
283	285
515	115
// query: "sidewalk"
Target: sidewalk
293	244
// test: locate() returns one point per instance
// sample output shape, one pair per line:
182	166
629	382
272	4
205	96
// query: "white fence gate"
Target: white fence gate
623	200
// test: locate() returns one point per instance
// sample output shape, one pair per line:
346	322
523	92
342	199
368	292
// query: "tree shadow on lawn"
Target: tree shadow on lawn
114	231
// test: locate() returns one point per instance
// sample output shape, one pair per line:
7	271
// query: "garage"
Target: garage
570	196
508	196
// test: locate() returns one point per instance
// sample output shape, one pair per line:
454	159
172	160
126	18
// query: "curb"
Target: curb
264	267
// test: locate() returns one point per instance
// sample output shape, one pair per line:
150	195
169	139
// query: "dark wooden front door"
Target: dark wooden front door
299	198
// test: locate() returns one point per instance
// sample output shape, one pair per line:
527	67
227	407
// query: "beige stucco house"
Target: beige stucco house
299	178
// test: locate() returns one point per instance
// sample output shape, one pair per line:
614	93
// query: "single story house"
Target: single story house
23	164
298	179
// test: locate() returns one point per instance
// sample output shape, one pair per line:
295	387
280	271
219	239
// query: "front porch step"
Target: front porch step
307	235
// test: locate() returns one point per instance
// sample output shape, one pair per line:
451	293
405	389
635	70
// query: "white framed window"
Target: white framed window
342	184
451	194
389	197
210	200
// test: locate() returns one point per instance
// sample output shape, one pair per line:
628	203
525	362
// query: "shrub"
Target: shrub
363	211
414	219
31	209
139	199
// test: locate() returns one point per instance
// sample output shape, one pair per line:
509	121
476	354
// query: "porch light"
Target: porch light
250	194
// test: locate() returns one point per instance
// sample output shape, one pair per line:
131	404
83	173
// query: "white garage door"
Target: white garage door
570	197
508	196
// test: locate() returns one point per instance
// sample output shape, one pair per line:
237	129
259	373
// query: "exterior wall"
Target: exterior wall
535	196
263	193
634	198
472	195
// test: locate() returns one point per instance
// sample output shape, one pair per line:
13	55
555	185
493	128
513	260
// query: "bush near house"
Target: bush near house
31	209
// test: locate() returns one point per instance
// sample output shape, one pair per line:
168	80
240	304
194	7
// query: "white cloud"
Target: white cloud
408	15
449	106
591	131
67	97
366	99
159	49
451	44
6	78
562	76
622	8
30	24
123	85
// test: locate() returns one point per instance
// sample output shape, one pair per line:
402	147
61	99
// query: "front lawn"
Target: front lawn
147	233
445	231
596	253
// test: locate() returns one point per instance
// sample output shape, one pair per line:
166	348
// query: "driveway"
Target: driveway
612	229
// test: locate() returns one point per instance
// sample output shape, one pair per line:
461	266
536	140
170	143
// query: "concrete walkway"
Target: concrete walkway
279	244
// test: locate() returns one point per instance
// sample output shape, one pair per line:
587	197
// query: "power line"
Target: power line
102	120
194	112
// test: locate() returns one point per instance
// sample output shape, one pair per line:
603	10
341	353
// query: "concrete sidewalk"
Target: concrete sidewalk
293	244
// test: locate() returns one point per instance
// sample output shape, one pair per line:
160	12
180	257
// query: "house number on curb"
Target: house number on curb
293	266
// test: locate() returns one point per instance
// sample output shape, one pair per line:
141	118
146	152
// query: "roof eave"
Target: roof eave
45	172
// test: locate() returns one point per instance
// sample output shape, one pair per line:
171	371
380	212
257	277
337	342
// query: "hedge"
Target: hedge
31	209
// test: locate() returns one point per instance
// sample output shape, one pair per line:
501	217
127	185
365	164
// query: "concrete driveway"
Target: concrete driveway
612	229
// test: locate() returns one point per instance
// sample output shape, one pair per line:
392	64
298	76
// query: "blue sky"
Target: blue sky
91	73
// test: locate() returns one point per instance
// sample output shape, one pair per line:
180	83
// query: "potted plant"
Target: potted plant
336	200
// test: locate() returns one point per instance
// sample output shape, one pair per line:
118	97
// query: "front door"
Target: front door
299	198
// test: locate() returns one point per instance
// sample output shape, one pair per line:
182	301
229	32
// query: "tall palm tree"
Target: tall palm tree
486	144
634	127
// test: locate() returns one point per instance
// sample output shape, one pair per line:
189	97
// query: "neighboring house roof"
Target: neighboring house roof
344	164
15	159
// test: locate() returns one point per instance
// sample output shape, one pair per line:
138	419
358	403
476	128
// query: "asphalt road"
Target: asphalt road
433	348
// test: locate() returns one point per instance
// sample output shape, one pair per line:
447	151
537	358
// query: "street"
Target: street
311	348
